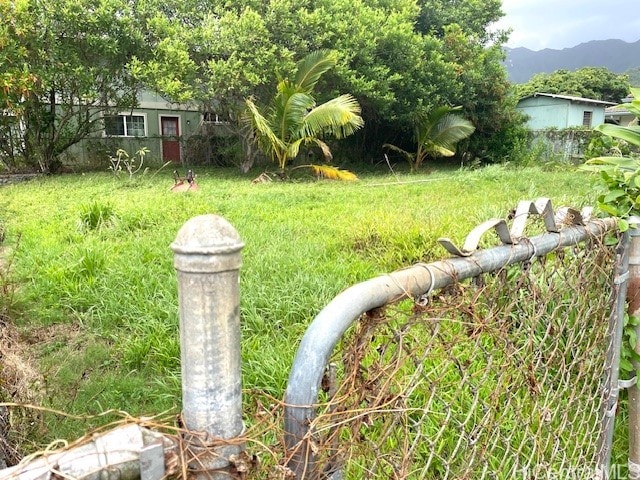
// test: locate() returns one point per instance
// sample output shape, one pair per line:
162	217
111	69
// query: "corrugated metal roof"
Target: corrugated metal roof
617	110
570	98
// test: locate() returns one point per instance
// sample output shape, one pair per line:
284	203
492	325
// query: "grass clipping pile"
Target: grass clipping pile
17	381
20	380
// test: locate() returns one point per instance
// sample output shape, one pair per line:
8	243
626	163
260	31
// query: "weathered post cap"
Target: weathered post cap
207	243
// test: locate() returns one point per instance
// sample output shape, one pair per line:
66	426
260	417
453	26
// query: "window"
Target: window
586	118
212	117
124	125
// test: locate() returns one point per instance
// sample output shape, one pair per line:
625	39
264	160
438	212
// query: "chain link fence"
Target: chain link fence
509	374
512	373
498	377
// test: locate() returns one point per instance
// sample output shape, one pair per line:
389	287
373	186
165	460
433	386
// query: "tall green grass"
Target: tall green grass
98	293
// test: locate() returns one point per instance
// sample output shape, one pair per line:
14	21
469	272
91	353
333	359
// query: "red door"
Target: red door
170	131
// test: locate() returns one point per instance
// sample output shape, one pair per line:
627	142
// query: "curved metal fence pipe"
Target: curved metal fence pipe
333	321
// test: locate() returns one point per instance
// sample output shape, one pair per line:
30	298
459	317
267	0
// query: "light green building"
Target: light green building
550	111
166	129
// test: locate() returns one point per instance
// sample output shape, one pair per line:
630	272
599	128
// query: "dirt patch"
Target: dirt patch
21	383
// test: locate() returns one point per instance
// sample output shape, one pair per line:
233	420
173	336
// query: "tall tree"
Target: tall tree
389	56
480	85
597	83
68	64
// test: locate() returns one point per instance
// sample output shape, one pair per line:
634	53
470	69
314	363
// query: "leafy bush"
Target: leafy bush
620	173
604	145
132	165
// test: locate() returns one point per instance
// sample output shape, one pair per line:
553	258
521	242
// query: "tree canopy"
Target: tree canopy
396	57
590	82
63	63
388	57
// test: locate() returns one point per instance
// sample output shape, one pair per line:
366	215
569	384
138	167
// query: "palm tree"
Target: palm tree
436	134
294	119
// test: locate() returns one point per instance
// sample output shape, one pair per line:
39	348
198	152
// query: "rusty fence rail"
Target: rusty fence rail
497	363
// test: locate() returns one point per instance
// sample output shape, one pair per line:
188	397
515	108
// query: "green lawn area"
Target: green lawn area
95	289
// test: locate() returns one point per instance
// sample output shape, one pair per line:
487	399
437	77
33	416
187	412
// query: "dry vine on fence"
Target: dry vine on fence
498	377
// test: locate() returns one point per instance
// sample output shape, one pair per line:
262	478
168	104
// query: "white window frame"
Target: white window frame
213	118
124	115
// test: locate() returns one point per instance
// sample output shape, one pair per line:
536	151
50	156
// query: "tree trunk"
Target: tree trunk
249	150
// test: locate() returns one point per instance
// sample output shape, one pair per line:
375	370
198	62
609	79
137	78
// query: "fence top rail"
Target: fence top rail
345	309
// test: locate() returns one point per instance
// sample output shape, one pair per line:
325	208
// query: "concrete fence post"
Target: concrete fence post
207	259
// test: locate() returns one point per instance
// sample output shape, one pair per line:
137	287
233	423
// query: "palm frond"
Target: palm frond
285	90
311	68
292	117
333	173
426	122
438	150
339	117
408	155
629	134
450	130
263	129
627	164
294	147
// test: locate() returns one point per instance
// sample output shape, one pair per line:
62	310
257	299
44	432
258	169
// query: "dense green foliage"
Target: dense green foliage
473	16
398	58
620	173
589	82
391	66
63	62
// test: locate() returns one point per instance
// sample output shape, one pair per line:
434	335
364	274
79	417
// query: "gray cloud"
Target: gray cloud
539	24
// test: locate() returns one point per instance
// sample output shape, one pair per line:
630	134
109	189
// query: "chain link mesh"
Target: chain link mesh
499	377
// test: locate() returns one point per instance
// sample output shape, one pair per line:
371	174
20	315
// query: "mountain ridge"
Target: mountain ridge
617	56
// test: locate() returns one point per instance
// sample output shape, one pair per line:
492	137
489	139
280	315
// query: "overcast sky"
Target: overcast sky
539	24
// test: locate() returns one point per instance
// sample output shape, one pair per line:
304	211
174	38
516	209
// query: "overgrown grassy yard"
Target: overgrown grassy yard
96	295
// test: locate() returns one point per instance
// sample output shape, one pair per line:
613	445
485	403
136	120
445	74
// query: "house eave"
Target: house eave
579	100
